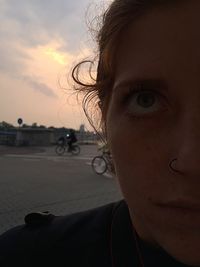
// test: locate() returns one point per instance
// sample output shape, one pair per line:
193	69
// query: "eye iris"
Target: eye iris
146	100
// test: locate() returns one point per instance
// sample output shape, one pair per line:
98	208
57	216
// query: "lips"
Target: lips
182	204
179	213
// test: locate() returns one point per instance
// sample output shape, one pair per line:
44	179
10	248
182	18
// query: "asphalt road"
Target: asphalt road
39	180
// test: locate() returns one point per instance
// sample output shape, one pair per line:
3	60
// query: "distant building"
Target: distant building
34	137
8	137
41	136
82	128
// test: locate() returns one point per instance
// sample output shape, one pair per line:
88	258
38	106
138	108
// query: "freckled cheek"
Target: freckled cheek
131	149
136	162
137	183
136	176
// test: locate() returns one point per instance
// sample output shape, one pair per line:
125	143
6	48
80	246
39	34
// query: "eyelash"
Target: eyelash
137	90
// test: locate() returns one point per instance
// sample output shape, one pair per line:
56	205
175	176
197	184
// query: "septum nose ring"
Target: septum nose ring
172	165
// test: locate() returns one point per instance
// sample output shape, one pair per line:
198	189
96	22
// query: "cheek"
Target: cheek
137	157
135	164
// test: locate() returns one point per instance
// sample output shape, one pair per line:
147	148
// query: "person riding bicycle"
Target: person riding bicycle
61	141
71	139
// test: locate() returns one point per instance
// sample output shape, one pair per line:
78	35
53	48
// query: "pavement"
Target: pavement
36	179
21	150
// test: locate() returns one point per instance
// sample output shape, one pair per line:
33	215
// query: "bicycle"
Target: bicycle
61	148
101	164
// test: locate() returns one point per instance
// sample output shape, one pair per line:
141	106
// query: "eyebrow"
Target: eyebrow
150	83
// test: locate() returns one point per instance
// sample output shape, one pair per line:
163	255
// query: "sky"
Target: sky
40	41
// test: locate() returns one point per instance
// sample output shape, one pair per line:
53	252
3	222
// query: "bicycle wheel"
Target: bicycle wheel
60	150
75	150
99	165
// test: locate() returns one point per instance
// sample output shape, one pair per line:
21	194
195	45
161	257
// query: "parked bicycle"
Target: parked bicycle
102	163
61	148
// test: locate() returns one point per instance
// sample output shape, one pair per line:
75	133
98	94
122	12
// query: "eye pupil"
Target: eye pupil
146	100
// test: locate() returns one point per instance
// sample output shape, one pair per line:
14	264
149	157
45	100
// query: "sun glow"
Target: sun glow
58	57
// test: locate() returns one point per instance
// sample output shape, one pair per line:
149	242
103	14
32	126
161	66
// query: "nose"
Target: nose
188	156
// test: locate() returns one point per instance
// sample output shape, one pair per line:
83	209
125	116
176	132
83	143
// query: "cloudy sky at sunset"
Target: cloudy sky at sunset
40	40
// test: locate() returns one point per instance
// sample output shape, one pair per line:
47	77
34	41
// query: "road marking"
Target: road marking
54	158
108	175
31	159
21	156
83	158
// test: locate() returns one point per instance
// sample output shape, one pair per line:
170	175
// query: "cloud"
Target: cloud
35	22
29	24
39	86
37	39
13	58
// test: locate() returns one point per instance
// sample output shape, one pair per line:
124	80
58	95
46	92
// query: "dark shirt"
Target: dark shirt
101	237
72	137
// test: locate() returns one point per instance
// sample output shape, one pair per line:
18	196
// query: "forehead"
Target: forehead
164	39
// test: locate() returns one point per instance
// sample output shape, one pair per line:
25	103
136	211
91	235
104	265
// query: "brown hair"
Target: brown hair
117	17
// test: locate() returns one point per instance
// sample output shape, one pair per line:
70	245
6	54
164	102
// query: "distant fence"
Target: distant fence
40	137
7	138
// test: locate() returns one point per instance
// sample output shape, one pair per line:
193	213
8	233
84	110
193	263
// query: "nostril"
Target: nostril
173	166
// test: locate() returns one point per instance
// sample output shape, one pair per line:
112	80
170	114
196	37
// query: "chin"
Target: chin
185	249
191	260
177	231
179	238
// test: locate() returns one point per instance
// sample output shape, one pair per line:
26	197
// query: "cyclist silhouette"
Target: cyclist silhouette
71	139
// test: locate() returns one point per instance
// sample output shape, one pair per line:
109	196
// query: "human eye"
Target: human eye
144	102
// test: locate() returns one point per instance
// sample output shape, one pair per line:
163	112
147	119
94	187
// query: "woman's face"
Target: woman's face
153	118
